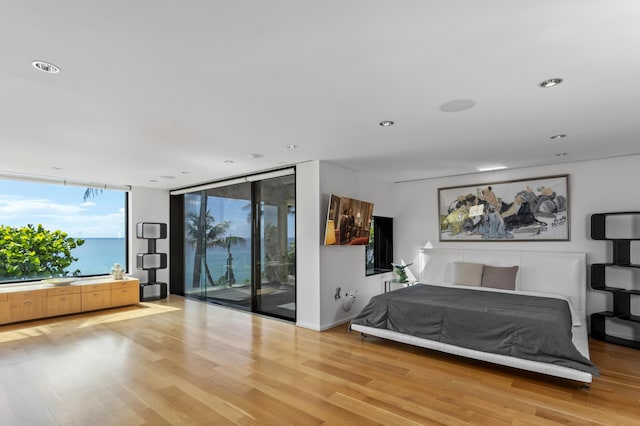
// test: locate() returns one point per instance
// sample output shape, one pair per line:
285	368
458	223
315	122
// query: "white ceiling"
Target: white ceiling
159	88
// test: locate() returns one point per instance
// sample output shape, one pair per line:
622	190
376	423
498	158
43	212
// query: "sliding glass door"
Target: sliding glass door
275	284
218	245
238	245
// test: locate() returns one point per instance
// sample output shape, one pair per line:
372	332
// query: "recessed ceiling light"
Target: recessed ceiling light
185	172
46	67
152	180
490	168
292	146
562	154
386	123
228	161
555	137
256	155
550	82
168	177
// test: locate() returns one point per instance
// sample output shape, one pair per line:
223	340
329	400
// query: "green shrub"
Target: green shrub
35	252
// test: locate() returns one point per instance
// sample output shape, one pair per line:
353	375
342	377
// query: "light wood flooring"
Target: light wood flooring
183	362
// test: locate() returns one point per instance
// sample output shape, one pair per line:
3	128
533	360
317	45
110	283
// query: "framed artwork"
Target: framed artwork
535	209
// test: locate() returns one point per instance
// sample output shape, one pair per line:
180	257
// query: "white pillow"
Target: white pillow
466	273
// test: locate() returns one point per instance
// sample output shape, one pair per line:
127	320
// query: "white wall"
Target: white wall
594	187
308	245
344	266
147	205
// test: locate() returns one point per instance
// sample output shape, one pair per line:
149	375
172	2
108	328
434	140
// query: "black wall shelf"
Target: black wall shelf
621	296
151	261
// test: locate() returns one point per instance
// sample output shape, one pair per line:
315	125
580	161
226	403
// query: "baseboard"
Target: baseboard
336	323
309	326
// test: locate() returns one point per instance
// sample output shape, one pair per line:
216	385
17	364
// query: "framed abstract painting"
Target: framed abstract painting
535	209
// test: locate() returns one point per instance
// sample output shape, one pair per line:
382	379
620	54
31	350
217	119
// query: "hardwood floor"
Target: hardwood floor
182	362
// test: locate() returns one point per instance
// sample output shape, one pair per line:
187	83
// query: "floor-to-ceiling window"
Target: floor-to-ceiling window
60	229
235	243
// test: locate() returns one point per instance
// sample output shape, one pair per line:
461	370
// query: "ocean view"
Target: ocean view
217	261
97	255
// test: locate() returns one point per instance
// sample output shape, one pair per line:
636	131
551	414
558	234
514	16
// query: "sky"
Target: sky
235	211
59	207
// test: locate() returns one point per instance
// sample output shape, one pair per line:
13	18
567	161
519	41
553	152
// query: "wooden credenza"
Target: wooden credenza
63	300
4	308
96	296
26	305
126	292
23	303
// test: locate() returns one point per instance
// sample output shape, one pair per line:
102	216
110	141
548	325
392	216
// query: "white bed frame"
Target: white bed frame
561	273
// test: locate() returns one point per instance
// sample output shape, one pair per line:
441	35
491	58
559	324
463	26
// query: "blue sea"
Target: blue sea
97	255
217	262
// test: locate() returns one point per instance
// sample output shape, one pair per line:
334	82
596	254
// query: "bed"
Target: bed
539	326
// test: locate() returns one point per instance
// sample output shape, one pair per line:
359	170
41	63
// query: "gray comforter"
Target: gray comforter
528	327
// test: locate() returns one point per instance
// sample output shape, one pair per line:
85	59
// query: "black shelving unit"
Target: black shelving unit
621	296
151	261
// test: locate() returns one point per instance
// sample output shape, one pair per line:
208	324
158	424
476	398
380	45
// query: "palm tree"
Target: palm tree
91	193
202	233
227	242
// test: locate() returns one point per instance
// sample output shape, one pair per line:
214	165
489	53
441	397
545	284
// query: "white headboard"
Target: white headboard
563	273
